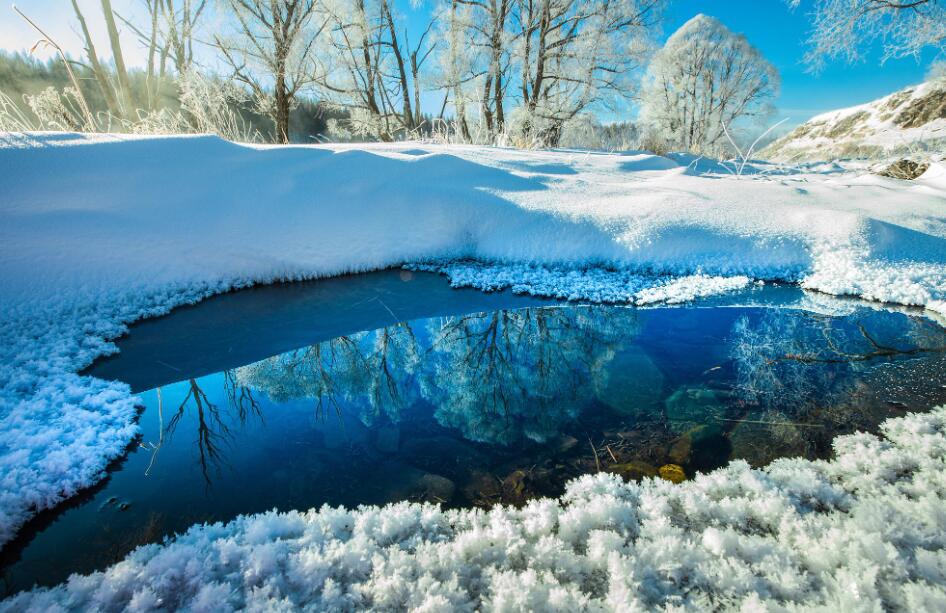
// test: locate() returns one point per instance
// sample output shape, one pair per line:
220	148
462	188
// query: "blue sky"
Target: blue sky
768	24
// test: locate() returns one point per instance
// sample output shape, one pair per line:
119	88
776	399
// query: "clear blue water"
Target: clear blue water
392	386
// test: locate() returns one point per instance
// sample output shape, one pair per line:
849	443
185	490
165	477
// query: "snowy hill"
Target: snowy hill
908	120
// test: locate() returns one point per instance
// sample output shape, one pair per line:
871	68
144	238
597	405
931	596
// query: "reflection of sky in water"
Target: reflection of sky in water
492	407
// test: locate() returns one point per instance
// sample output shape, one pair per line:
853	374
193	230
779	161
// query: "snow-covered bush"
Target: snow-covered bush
206	105
58	110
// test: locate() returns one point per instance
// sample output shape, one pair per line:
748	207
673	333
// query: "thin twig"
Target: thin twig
611	453
595	451
770	423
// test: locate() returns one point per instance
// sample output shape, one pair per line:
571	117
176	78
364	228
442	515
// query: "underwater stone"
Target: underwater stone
673	473
435	488
639	387
566	443
692	406
633	471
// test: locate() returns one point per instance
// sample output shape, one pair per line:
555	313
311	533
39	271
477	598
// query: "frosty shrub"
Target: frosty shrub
210	105
207	106
12	118
58	110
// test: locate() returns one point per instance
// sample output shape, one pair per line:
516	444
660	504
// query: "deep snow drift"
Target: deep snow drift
98	231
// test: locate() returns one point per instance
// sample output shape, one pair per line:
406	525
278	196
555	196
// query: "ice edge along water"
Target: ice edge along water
96	232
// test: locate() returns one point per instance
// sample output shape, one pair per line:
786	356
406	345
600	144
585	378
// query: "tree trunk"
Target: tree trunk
282	110
100	77
415	73
152	51
406	113
123	82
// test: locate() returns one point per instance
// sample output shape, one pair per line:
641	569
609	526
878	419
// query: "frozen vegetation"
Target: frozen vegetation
98	231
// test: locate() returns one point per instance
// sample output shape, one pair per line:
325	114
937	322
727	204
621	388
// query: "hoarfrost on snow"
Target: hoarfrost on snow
864	531
98	231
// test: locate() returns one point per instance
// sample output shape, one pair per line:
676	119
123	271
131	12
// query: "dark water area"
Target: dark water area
392	386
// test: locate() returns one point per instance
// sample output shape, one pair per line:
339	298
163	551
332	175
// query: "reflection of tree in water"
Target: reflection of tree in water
800	373
212	432
371	371
240	398
507	375
798	355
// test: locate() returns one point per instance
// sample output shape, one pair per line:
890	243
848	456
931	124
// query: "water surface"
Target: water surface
392	386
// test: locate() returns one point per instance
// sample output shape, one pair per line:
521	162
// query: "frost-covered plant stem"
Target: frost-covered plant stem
90	122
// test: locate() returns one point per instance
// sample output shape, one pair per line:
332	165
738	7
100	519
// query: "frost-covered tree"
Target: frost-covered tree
476	65
843	29
528	67
937	71
169	37
575	53
704	80
372	72
271	49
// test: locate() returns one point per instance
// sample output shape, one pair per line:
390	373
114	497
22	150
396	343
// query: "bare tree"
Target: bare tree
169	35
843	28
272	51
705	79
375	73
576	53
554	58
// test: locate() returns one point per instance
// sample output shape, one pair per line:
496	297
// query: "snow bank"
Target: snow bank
97	231
863	532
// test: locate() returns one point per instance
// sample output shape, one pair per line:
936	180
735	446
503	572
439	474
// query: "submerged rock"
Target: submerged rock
483	489
565	443
702	448
520	485
633	471
690	407
435	488
673	473
635	385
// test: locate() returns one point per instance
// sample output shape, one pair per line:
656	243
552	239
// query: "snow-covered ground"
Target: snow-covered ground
96	232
